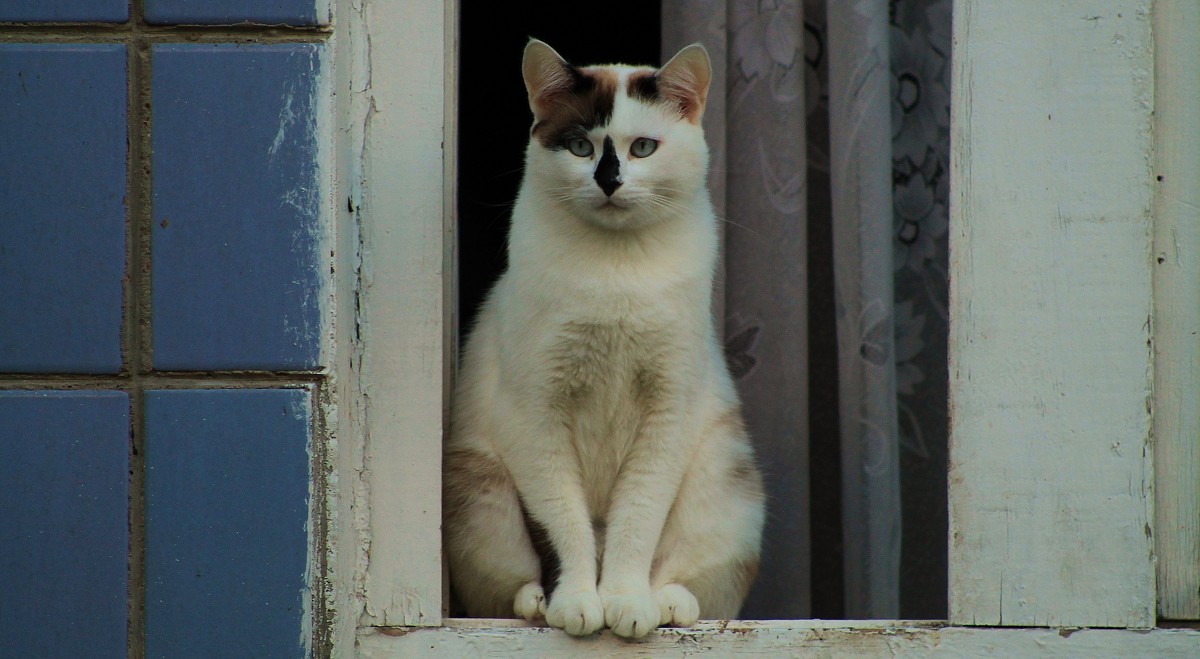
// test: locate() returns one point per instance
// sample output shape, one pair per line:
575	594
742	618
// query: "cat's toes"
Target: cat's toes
677	606
631	614
578	613
530	602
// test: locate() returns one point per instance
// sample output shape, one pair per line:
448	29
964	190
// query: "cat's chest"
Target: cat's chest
606	358
599	347
606	377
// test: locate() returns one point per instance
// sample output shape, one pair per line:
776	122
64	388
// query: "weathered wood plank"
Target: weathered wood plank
781	639
1177	308
1050	373
344	484
402	315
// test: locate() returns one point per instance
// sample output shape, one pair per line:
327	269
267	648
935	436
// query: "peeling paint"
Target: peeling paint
395	348
504	638
287	117
345	406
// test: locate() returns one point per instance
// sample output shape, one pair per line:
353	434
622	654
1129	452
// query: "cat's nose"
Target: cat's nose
609	186
608	170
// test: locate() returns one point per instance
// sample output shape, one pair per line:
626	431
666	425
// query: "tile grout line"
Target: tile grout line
175	380
320	638
137	313
124	32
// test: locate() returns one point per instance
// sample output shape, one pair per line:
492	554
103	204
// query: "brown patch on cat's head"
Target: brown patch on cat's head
643	86
681	83
468	475
566	101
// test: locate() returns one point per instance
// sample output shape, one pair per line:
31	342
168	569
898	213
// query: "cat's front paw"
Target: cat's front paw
530	602
677	606
630	613
578	613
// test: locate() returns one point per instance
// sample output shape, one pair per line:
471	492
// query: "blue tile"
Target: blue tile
98	11
62	227
64	466
239	225
224	12
227	475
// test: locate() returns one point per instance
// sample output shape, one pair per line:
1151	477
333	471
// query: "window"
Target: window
1076	222
1052	482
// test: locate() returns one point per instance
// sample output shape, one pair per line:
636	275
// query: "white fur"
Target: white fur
594	379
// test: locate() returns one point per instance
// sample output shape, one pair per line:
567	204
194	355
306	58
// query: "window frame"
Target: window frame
395	66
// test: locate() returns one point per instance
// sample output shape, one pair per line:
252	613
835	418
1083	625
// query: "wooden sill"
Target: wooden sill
465	637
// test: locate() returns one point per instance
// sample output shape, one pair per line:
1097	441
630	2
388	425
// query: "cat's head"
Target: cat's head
619	146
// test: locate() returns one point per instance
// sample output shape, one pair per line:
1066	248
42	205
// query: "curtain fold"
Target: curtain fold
755	126
861	178
879	69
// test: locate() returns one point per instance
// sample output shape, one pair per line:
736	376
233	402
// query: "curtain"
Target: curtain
755	127
828	126
860	176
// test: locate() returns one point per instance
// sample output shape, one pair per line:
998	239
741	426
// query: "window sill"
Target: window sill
478	637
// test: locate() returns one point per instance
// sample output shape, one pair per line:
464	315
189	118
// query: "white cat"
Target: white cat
595	422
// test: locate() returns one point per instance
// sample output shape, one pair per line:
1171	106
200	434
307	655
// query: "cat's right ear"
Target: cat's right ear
547	76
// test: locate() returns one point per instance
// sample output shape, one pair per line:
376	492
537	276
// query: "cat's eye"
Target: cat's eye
580	146
642	147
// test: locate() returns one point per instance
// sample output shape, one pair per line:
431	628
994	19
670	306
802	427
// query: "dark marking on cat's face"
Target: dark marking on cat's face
643	86
608	172
572	112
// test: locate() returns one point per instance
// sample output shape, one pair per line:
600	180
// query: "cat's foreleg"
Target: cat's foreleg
710	544
552	491
645	490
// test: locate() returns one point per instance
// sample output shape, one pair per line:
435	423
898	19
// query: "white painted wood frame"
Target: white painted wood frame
1051	487
394	104
853	639
403	318
1177	308
1051	478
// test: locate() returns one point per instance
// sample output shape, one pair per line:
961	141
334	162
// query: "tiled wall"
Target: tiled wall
164	274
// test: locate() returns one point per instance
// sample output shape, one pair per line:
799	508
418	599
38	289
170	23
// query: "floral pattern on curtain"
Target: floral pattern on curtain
872	130
860	179
755	130
920	90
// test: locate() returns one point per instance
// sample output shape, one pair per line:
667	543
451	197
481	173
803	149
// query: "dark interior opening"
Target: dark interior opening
494	117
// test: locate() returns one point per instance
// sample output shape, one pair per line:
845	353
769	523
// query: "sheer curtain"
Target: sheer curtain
878	71
755	127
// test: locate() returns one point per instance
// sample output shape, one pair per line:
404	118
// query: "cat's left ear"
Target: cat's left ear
684	81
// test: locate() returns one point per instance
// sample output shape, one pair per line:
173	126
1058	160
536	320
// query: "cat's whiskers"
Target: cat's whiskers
660	205
677	205
718	217
743	227
665	203
564	193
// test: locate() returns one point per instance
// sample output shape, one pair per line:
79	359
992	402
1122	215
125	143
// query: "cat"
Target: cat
597	472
